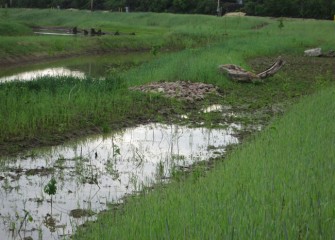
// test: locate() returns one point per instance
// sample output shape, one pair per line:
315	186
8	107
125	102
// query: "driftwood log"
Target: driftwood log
238	74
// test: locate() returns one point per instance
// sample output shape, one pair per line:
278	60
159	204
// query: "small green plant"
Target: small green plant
51	189
116	151
155	49
281	23
160	169
27	217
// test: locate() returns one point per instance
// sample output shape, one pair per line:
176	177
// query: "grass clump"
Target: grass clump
51	107
13	29
276	186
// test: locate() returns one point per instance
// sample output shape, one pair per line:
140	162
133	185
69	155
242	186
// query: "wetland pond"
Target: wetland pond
96	66
94	172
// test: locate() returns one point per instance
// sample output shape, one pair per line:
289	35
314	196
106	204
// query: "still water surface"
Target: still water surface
91	66
94	172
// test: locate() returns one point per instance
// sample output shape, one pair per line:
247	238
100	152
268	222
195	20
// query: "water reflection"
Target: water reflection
94	172
51	72
96	66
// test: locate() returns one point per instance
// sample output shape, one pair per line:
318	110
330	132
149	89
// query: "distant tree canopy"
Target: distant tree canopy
322	9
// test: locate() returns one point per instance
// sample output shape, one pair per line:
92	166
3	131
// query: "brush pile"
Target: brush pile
182	90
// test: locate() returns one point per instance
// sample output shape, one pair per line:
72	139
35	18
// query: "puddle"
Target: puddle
96	66
51	72
95	172
216	108
54	33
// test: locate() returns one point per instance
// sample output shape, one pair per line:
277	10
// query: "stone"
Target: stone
315	52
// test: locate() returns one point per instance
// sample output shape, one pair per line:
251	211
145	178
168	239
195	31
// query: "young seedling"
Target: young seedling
281	23
51	189
27	217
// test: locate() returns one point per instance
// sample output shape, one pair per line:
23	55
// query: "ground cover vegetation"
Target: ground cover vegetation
50	110
278	184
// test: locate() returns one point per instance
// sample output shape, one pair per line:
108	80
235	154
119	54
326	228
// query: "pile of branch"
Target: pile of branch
238	74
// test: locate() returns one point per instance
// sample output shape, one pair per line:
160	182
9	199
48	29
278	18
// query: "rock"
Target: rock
315	52
331	53
28	238
160	90
78	213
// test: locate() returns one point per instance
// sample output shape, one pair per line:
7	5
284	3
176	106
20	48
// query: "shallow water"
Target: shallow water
95	66
96	171
51	72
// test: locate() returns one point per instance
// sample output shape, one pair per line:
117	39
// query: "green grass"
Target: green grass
54	106
13	29
275	186
278	185
47	112
166	30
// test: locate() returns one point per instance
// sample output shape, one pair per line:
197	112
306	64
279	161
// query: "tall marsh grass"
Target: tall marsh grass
278	185
48	105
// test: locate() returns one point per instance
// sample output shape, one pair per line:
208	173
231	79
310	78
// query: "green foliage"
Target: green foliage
323	9
51	187
275	186
13	28
281	23
48	107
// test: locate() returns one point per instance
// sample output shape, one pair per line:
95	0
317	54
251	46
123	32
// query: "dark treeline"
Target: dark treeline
322	9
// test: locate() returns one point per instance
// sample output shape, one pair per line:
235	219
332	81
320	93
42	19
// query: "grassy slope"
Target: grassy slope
283	192
27	115
278	185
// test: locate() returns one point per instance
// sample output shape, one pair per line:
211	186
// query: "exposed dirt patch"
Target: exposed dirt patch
182	90
300	67
41	57
78	213
40	171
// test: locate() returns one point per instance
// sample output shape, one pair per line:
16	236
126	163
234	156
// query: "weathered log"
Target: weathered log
238	74
275	67
330	54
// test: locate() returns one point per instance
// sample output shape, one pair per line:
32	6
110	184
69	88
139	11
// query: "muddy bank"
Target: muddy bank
302	67
19	60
